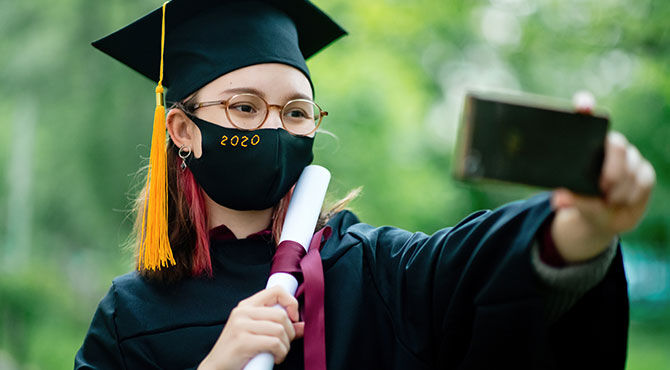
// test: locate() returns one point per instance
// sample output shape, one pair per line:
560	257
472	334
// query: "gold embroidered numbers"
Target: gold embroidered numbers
243	141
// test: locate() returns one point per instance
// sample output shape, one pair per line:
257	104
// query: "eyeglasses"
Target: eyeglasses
246	111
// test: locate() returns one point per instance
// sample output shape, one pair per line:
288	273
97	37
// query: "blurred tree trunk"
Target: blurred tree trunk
19	205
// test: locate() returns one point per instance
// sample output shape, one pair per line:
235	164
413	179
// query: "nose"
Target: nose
273	119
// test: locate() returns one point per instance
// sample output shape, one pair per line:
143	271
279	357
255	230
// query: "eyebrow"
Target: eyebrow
251	90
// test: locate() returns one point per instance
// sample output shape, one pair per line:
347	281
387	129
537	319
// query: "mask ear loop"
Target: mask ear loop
184	152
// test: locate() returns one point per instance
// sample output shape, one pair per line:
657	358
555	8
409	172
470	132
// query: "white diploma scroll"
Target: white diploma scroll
301	218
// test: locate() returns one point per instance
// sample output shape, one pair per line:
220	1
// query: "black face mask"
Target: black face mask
247	170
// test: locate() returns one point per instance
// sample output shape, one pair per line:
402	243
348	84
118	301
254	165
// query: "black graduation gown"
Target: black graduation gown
466	297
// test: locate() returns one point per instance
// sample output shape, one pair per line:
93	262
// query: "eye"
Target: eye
244	108
296	113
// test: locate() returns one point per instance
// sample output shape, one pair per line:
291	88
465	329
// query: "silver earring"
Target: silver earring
184	152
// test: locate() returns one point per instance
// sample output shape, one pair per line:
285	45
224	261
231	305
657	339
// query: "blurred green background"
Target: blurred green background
76	126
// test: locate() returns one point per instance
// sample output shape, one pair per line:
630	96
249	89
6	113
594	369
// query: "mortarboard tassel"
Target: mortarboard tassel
154	251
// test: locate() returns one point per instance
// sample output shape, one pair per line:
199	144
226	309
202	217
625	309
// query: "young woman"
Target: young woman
534	284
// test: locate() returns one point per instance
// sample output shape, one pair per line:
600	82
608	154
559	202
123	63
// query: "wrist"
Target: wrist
576	239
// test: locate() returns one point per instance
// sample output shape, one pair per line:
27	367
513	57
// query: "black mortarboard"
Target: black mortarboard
186	44
205	39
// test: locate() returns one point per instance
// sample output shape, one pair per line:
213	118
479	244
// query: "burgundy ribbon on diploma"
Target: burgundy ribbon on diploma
291	258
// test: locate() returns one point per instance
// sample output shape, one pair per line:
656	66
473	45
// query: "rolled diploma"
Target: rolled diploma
301	218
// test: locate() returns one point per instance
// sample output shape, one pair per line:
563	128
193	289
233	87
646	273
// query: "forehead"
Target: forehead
275	80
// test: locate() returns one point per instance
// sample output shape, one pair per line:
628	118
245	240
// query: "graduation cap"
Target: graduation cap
186	44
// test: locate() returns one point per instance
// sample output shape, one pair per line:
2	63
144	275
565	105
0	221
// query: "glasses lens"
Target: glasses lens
300	116
246	111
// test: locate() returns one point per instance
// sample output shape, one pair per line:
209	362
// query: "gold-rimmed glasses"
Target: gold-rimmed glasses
249	112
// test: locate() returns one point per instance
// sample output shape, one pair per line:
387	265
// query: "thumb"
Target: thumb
591	208
299	329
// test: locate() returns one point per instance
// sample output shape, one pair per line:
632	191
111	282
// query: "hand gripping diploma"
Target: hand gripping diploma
262	326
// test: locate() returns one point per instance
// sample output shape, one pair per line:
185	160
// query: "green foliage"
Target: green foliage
393	87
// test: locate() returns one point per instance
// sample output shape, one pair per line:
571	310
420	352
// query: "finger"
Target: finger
591	208
289	303
615	161
622	190
265	297
273	314
267	328
299	329
644	183
273	296
561	198
583	101
254	344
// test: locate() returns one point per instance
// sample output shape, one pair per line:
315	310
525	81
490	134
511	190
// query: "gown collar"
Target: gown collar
223	233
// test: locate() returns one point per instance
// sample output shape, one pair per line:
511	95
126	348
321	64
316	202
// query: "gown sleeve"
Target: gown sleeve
467	297
100	349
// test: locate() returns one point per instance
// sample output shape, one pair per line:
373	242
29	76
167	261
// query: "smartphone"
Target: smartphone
530	140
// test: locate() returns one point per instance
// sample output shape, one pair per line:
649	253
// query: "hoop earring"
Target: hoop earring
184	152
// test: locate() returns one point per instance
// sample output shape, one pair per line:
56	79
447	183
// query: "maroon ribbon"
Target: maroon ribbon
291	258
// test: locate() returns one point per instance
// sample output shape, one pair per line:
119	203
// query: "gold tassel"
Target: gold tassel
155	251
